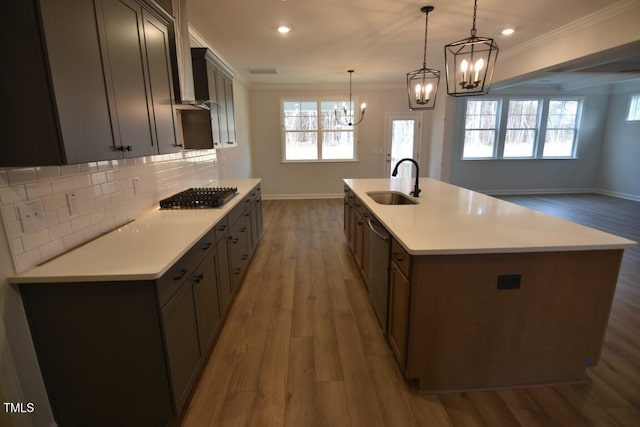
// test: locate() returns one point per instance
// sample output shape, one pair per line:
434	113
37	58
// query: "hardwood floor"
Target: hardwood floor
301	345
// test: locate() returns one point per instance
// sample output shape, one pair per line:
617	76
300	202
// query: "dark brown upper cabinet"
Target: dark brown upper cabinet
89	81
214	128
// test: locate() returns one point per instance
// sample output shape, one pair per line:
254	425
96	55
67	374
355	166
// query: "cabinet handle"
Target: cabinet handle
245	257
207	246
397	257
222	228
199	278
125	148
181	274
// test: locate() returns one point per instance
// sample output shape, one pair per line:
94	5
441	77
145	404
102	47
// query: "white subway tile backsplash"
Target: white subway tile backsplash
81	181
35	239
80	222
73	240
51	249
4	179
62	185
54	202
16	246
60	230
47	172
9	213
22	176
106	195
98	178
38	189
13	194
27	260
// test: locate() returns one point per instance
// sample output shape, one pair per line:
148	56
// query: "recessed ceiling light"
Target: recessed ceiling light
283	29
508	31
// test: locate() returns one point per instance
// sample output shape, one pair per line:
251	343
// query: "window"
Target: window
481	127
633	115
527	129
522	128
562	128
311	133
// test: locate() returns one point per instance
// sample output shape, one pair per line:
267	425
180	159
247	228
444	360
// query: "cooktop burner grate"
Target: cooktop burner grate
199	198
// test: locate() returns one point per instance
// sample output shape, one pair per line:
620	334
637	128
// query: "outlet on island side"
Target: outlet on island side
509	281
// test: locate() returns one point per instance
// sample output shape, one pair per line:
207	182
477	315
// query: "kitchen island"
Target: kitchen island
485	294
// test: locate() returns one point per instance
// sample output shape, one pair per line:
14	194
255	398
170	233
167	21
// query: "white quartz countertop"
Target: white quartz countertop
140	250
453	220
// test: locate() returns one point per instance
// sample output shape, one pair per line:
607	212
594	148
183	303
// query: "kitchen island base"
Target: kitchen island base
466	330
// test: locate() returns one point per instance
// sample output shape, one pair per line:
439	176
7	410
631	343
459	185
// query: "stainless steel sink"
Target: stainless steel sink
391	198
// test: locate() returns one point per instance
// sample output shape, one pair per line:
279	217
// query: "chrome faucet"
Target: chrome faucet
416	190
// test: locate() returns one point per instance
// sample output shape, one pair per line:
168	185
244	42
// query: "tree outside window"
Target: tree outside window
311	132
481	124
562	128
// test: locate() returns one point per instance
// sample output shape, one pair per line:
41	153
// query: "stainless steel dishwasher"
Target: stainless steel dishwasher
378	274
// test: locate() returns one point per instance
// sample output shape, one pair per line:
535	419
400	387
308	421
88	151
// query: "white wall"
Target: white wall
619	174
284	180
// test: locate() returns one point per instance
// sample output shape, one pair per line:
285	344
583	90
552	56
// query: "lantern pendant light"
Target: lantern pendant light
348	117
470	63
422	84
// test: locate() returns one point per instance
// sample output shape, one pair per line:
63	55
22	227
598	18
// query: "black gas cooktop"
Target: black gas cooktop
199	198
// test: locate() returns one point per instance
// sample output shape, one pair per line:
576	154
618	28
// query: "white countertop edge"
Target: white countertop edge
601	240
50	271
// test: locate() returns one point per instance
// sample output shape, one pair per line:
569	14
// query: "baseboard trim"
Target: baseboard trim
529	191
617	194
301	196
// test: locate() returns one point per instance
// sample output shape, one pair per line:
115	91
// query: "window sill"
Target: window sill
320	161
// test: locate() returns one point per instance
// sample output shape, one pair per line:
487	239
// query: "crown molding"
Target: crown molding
587	21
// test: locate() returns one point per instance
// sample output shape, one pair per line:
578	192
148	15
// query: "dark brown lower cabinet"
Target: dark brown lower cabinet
128	353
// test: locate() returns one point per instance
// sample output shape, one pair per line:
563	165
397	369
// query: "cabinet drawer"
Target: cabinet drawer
170	282
222	229
401	257
238	210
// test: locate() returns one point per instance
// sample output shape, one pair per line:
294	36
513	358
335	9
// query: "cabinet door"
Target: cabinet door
398	333
222	109
205	288
181	337
54	108
256	216
213	97
225	287
120	23
229	105
156	37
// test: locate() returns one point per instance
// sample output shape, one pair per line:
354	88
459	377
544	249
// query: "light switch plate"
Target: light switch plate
72	202
31	216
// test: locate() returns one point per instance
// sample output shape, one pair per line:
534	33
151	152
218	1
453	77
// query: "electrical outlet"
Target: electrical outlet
31	216
72	202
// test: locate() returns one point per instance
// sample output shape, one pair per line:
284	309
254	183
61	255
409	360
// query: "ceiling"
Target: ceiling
382	40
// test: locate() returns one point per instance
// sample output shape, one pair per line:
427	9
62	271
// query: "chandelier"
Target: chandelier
470	63
422	84
347	117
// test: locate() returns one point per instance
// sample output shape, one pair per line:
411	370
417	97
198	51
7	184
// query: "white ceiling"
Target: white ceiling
381	40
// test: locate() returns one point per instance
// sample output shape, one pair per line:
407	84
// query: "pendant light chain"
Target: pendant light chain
475	10
426	28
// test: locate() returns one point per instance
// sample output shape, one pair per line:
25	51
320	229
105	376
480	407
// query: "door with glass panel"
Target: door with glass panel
402	141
